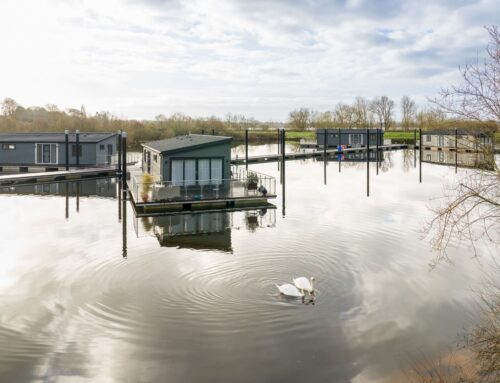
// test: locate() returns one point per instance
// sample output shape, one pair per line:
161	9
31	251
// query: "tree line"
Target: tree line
379	113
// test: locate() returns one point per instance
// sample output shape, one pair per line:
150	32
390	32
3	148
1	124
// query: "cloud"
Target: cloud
259	58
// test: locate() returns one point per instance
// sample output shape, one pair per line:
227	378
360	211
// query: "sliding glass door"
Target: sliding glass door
46	154
203	171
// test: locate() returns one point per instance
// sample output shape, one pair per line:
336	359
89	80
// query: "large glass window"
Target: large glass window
202	171
8	146
46	153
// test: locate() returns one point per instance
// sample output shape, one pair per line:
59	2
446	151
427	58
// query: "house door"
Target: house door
216	170
355	139
177	175
110	153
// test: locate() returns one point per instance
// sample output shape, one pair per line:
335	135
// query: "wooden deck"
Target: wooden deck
59	176
312	154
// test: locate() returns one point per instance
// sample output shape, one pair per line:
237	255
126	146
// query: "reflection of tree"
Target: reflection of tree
388	162
408	159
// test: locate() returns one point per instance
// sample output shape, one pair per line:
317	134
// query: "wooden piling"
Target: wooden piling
420	155
66	145
367	162
77	151
246	148
124	161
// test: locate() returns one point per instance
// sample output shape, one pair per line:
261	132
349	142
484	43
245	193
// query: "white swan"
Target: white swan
290	290
304	284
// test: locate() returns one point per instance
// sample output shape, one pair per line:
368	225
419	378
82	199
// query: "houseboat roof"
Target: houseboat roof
460	131
189	141
53	137
349	130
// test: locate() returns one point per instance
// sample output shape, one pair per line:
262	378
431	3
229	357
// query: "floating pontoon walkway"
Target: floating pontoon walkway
313	154
58	176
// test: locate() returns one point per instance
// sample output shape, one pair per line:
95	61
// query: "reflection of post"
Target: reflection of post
420	154
367	162
78	196
456	150
414	148
119	201
246	148
124	228
67	200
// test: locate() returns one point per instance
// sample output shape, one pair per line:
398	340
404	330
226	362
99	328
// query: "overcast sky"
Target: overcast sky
258	58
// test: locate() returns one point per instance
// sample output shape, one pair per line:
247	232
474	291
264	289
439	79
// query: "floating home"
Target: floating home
194	171
22	151
351	138
463	139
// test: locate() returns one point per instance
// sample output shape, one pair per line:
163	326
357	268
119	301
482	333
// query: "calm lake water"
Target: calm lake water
85	296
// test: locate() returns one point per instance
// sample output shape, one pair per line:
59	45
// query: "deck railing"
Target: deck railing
243	184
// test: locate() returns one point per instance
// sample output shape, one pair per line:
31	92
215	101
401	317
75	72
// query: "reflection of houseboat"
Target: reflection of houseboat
194	172
351	138
462	159
203	230
462	139
102	187
357	157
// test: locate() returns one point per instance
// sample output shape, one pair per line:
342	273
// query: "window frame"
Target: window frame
51	145
9	146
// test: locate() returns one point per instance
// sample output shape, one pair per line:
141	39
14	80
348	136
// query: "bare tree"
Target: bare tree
362	112
408	112
300	119
345	115
383	108
477	97
472	209
9	106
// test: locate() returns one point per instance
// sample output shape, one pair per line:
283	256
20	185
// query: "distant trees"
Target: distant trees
300	119
383	109
9	107
408	112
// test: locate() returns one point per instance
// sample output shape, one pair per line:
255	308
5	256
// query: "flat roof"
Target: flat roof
53	137
189	141
349	130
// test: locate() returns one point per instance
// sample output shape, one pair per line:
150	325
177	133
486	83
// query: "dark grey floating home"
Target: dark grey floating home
48	150
193	157
351	138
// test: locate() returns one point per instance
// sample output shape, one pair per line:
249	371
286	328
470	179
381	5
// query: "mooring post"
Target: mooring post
456	150
213	132
325	142
119	201
77	151
420	154
414	148
283	170
376	156
203	131
246	148
339	146
279	147
66	146
124	162
119	152
368	162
